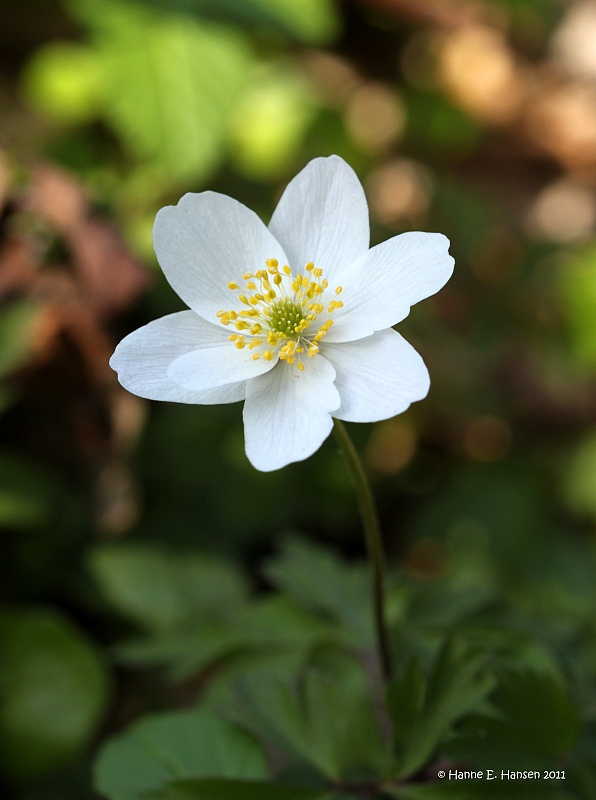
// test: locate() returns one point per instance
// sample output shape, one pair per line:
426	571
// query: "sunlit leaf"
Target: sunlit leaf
64	81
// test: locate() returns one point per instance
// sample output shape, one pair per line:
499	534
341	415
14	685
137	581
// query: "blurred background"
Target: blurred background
475	118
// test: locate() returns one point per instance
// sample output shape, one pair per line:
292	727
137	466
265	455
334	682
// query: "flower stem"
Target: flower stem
374	543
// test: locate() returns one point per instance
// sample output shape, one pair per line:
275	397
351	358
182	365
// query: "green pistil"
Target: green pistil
285	316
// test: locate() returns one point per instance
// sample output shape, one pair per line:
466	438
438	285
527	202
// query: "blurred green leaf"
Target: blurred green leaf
456	686
52	694
323	582
64	80
17	332
577	277
478	790
260	148
27	493
534	724
579	480
405	700
326	717
214	789
163	748
169	83
161	589
311	21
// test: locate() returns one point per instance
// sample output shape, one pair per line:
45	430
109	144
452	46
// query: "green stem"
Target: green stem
374	543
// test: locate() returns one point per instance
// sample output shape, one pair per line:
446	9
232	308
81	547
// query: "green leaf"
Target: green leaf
163	748
312	21
27	493
578	295
169	83
17	332
53	691
458	683
405	699
219	789
324	583
64	81
161	589
534	723
326	717
480	790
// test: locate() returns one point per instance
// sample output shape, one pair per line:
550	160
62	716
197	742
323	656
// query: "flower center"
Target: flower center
285	315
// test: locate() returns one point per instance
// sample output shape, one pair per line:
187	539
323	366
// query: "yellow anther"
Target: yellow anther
305	281
252	286
318	272
277	279
272	262
268	355
240	344
287	270
256	328
247	276
309	267
271	294
243	299
300	366
232	315
338	289
255	356
324	283
259	297
300	349
232	285
241	325
221	314
253	301
232	337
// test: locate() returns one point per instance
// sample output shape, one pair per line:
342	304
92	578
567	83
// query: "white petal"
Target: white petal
377	377
323	217
379	288
142	359
211	367
287	413
207	241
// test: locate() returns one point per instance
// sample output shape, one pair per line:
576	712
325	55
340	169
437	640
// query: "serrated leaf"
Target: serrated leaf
219	789
321	581
53	691
326	717
456	687
162	748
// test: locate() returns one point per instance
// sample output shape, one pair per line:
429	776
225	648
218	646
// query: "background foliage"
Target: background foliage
198	630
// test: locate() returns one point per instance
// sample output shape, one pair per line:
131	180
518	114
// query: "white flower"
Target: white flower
295	318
